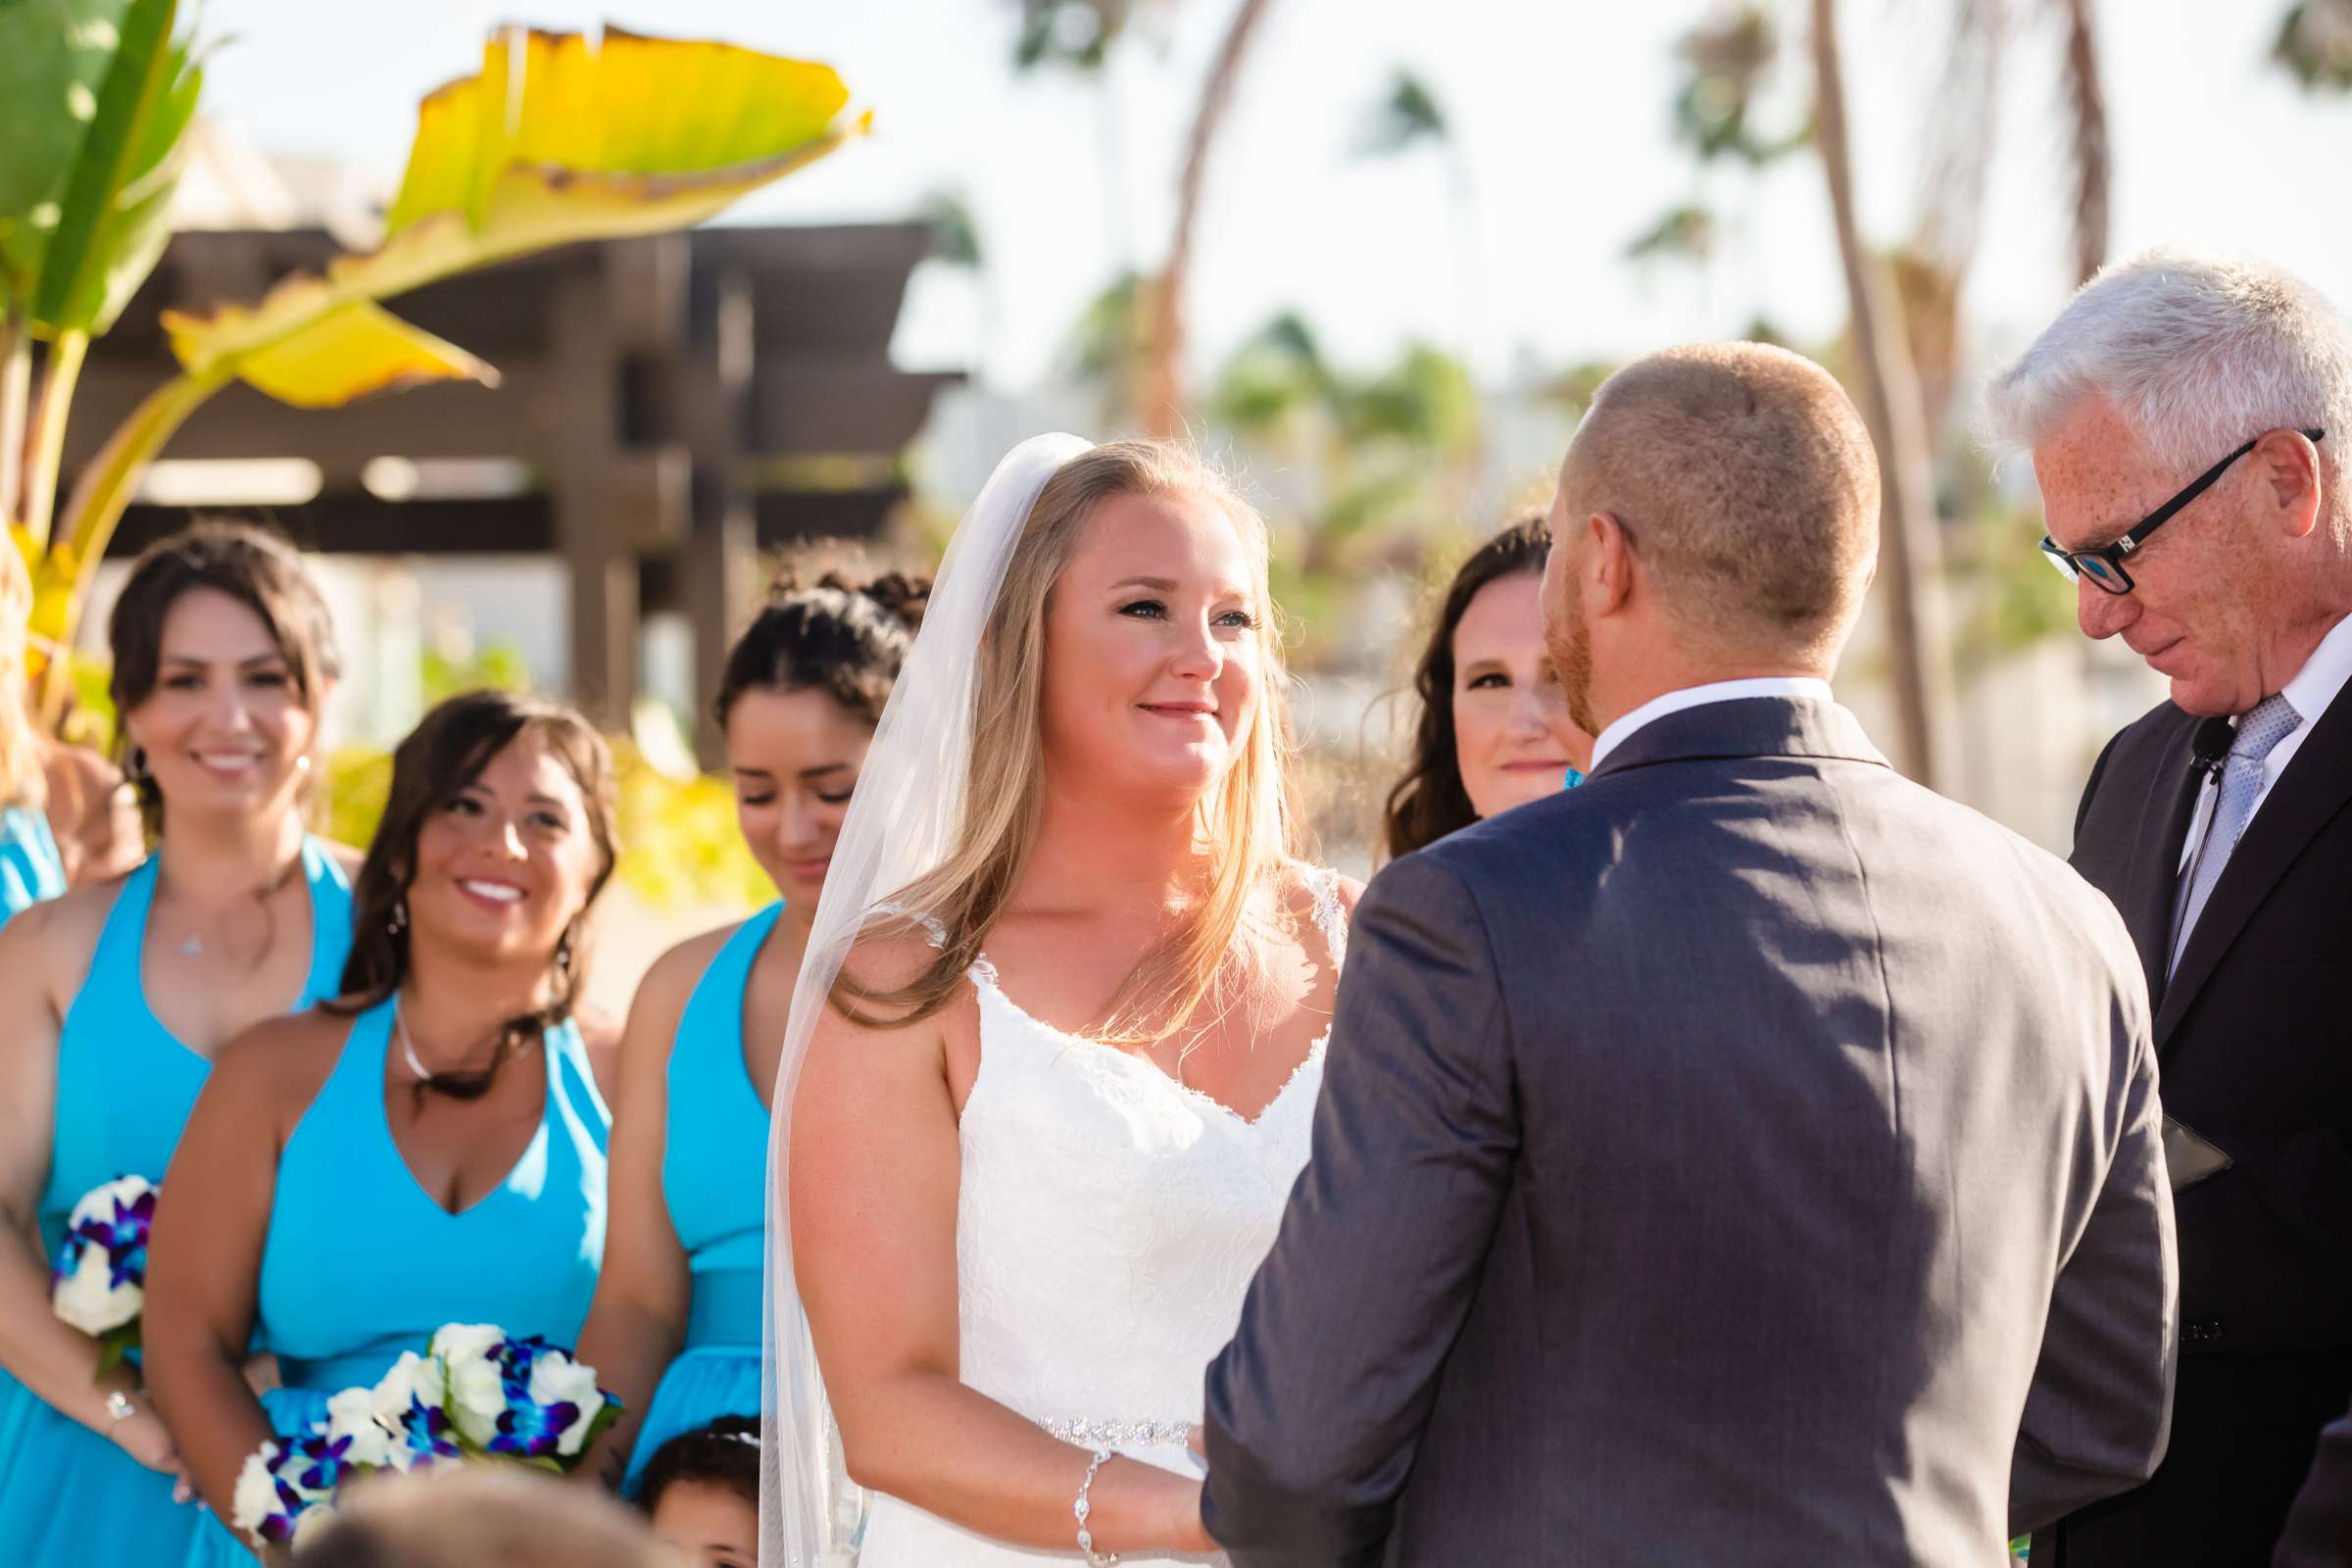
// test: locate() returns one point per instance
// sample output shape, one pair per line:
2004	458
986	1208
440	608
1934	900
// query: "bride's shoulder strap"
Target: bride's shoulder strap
1331	913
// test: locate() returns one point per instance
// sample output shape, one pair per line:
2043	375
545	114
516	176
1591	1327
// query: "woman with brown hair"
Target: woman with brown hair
1494	731
429	1148
679	1301
115	998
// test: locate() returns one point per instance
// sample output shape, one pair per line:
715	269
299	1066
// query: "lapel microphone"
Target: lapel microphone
2210	745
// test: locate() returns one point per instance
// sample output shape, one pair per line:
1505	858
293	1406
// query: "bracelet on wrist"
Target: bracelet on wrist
1083	1507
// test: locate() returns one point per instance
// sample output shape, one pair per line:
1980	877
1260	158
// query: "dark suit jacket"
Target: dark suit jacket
1717	1163
2319	1533
2254	1031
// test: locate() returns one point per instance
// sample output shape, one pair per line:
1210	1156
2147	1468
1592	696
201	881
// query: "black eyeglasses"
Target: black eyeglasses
2104	566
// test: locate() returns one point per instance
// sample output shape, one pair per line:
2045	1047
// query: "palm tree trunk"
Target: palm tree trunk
1162	404
2090	147
1891	407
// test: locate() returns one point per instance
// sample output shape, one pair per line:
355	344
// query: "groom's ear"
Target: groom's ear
1609	565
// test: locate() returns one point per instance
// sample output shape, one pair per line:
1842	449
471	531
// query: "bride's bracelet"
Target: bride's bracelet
1083	1507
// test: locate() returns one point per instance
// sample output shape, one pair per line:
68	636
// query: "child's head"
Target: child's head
701	1492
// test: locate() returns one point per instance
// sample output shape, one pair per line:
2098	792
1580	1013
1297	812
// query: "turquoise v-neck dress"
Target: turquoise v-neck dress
125	1088
360	1263
29	867
715	1183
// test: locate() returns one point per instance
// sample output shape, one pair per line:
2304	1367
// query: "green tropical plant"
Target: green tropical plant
1074	34
1386	452
95	98
559	137
1408	115
2315	44
1164	398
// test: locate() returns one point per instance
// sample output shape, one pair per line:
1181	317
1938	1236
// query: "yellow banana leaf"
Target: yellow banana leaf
349	352
558	138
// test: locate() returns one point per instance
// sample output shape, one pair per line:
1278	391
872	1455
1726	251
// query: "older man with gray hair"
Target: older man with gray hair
2187	418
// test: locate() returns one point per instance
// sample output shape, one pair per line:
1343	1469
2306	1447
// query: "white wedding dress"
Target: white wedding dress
1108	1225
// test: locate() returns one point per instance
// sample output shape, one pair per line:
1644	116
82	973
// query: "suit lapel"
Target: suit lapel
2317	783
2151	887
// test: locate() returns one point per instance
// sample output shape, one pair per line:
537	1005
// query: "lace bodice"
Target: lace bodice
1108	1223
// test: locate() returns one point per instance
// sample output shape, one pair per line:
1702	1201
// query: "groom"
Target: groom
1748	1158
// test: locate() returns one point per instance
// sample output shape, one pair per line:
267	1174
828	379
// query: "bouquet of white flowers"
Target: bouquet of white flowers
99	1280
475	1394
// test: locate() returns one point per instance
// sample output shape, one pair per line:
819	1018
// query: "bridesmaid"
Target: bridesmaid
1495	730
29	867
113	998
430	1147
803	690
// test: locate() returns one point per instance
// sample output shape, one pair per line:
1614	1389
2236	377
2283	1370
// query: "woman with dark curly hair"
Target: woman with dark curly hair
680	1299
700	1489
1493	729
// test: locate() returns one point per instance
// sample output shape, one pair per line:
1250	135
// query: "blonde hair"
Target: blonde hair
21	781
1248	822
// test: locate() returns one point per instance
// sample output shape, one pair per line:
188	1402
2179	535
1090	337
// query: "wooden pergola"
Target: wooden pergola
678	402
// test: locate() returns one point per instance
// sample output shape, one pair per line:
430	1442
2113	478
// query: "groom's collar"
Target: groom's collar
1719	691
1778	717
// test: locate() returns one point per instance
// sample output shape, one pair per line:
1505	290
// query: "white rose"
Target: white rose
87	1300
467	1341
256	1496
431	1383
352	1414
474	1392
310	1522
555	1378
398	1389
99	1203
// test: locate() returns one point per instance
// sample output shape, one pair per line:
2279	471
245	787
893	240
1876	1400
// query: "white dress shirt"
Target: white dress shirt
2314	687
1722	691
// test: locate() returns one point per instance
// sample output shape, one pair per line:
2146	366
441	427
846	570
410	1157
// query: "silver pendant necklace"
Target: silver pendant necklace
407	1047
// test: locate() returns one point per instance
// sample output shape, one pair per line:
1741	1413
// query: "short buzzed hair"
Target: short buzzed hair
1746	484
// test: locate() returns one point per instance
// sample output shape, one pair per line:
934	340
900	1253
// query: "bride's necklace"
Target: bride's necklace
407	1047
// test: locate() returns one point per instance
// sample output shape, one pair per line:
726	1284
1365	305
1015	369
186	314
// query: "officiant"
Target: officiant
2187	420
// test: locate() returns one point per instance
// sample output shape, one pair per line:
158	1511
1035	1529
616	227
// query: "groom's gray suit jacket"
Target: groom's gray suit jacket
1750	1157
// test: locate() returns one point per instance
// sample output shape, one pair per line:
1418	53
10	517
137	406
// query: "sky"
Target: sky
1563	111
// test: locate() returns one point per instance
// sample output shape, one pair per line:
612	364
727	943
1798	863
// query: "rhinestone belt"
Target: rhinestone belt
1121	1434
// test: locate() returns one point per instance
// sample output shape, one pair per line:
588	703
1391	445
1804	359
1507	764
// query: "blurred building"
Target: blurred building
668	409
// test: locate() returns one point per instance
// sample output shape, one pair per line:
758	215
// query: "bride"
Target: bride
1036	1143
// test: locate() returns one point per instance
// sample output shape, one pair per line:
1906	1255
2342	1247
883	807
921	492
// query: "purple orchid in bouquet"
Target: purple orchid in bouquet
98	1283
473	1395
522	1398
285	1492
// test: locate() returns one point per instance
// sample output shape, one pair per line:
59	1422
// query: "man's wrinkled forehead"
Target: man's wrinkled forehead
2097	476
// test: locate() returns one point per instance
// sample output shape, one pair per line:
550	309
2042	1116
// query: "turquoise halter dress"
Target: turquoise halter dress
715	1183
360	1263
29	868
125	1088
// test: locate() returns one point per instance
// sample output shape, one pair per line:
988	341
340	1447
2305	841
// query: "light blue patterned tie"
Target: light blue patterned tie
2273	720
